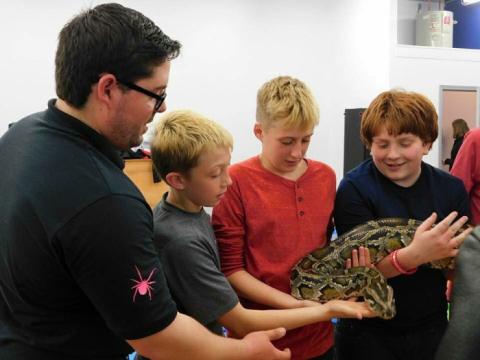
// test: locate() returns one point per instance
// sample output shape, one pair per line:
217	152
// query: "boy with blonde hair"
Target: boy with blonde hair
399	128
192	154
278	209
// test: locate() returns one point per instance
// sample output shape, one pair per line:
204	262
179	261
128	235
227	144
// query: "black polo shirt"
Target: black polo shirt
78	269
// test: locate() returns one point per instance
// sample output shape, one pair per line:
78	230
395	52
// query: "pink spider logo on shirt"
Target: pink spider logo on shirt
143	286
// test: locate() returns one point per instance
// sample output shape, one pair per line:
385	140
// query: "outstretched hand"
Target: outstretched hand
260	346
440	242
349	309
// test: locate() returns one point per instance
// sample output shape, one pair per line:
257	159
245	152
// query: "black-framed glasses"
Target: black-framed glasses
159	99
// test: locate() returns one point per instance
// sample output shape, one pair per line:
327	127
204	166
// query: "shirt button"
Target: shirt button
300	199
301	213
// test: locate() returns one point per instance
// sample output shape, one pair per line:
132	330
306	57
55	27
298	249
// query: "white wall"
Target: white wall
339	48
345	50
427	75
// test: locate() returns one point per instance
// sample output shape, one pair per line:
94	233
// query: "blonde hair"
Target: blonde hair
400	112
181	137
460	128
288	99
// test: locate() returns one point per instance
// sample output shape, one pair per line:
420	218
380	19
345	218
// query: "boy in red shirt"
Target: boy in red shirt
278	209
467	168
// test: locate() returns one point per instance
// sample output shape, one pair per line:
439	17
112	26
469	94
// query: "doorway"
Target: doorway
455	102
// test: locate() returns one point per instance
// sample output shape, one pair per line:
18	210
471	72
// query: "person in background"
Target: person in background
467	168
277	210
461	340
399	128
459	129
79	274
192	154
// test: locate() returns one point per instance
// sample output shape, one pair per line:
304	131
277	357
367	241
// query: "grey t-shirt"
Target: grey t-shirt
188	251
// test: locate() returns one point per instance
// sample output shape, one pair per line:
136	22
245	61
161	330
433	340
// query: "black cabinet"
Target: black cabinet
354	152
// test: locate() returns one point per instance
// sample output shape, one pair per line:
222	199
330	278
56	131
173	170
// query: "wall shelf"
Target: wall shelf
437	53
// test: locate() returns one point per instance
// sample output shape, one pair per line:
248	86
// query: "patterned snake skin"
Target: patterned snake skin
321	275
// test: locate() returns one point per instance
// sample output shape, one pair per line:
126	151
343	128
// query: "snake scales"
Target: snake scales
321	275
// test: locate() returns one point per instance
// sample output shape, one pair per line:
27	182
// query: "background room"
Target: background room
347	51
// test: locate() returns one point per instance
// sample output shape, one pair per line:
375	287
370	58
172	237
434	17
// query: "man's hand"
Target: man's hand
259	345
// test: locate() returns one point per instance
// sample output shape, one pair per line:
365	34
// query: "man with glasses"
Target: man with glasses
79	276
159	98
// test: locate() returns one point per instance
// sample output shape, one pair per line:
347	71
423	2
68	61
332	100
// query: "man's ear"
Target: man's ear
175	180
258	131
103	88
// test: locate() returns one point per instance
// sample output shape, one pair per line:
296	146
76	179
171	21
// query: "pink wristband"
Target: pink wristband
399	267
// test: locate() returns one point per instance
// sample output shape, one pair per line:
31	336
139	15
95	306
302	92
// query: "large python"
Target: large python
321	275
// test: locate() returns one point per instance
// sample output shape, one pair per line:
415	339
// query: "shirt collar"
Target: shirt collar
70	124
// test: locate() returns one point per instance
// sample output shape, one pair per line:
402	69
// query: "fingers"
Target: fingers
364	257
458	240
428	223
363	310
349	309
275	334
441	241
285	354
457	225
360	257
355	261
444	225
454	242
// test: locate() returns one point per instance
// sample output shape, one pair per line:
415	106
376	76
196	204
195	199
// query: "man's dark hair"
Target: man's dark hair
109	38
